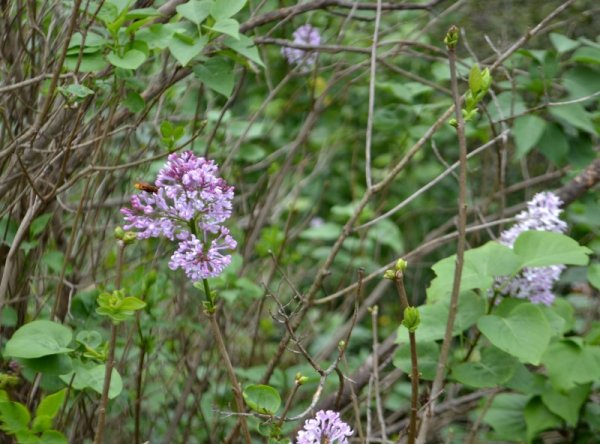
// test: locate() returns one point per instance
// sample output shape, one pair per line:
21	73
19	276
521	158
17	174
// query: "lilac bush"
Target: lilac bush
306	35
189	206
535	283
327	426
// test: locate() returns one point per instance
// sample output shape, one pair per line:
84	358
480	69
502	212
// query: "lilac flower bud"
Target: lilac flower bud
534	283
325	427
306	35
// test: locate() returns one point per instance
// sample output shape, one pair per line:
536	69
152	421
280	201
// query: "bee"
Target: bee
145	186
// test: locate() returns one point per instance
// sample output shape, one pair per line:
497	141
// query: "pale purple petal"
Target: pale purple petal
327	426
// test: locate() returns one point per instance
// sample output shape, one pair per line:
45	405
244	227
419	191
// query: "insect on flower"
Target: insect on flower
145	186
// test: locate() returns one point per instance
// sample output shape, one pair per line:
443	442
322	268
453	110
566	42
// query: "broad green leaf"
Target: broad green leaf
545	248
132	59
142	13
41	423
526	382
39	338
576	115
183	51
494	368
562	43
79	91
131	303
217	74
134	102
159	35
9	317
91	39
196	11
8	230
581	81
569	363
225	9
587	55
244	46
593	275
89	63
49	365
538	418
262	398
228	27
54	260
39	224
92	377
527	131
505	416
553	144
15	417
427	358
475	79
434	316
566	404
326	232
480	267
51	404
523	333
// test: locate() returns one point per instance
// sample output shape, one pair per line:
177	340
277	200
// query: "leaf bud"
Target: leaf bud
412	319
451	39
119	233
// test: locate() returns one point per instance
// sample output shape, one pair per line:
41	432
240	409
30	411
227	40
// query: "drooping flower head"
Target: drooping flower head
535	283
189	205
306	35
326	427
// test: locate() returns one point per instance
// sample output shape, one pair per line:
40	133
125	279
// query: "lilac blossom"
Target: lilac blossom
189	205
534	283
327	426
304	35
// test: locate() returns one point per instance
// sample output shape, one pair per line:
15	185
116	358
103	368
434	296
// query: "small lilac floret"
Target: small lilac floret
535	283
189	206
326	427
304	35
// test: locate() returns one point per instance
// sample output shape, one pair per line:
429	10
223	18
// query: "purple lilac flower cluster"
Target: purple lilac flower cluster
189	206
327	426
535	283
304	35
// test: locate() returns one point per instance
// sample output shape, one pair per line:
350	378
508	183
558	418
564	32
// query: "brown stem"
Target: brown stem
414	380
237	393
460	249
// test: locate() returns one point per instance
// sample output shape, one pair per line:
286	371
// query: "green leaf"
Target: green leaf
523	332
51	404
526	382
576	115
79	91
563	43
527	131
39	338
183	51
434	316
587	54
15	417
41	423
92	377
196	11
505	416
158	35
244	46
262	398
494	368
142	13
53	260
566	404
132	59
228	27
538	418
593	275
545	248
553	144
225	9
53	437
427	358
89	63
39	224
480	267
132	304
325	232
569	363
49	365
217	74
134	102
475	80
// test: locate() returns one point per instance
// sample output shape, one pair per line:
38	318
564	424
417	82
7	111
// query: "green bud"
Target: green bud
486	79
119	233
412	319
451	39
342	345
401	265
300	380
129	237
390	274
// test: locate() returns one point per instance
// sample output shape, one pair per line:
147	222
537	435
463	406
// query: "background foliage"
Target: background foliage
95	95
